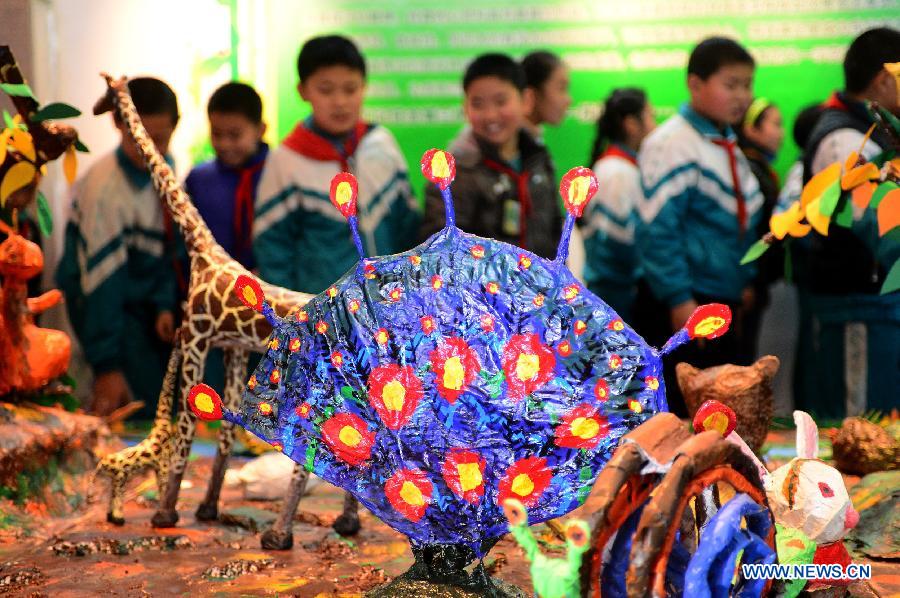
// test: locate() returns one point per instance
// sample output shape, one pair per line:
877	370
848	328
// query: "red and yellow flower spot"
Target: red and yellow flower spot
614	362
382	336
528	364
264	408
601	390
635	405
616	325
394	392
409	492
577	187
492	287
464	473
249	292
251	384
524	261
525	480
564	348
428	324
337	359
583	427
538	300
487	322
369	271
652	382
580	327
353	306
275	376
277	446
709	321
570	292
415	260
294	345
437	282
713	415
477	251
395	294
303	410
302	316
455	366
205	403
439	167
343	193
274	344
321	327
348	438
332	292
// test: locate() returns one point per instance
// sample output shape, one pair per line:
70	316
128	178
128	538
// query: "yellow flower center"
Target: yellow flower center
439	166
204	402
527	366
410	493
453	373
344	193
716	421
350	436
708	325
249	295
585	427
469	476
393	395
522	485
578	190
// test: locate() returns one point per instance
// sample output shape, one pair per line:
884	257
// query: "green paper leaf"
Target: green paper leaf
81	147
45	216
882	190
892	281
843	216
830	198
19	90
756	250
55	111
8	120
890	118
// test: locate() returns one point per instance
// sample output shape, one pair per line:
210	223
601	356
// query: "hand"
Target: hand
110	392
165	326
680	314
748	299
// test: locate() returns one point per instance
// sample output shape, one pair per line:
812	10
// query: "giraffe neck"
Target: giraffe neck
196	233
167	394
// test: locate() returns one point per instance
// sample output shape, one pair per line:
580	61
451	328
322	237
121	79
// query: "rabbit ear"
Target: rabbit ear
767	366
807	436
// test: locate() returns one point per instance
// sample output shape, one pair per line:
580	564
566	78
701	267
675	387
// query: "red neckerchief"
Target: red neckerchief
521	180
312	145
243	206
616	151
836	103
731	147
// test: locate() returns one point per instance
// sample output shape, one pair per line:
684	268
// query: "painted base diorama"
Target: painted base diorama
505	432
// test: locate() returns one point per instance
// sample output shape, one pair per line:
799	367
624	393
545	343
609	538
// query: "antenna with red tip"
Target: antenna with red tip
577	188
343	194
439	167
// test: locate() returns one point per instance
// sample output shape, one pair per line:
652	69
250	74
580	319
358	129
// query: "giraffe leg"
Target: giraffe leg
117	495
281	536
235	370
347	524
191	374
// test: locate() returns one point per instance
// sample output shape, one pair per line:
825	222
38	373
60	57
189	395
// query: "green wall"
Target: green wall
416	53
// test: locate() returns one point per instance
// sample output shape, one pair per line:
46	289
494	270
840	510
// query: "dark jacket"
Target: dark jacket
771	265
487	196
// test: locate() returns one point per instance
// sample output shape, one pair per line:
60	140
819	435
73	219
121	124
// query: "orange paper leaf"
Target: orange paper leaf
859	175
24	144
889	212
819	183
70	164
18	176
850	162
862	195
4	140
818	220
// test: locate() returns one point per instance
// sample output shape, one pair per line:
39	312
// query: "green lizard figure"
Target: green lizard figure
552	578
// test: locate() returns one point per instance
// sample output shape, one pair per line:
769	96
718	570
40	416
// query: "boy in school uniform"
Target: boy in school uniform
700	206
118	269
504	187
224	189
853	358
301	241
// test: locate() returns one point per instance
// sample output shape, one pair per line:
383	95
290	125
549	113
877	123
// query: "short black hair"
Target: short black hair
329	50
866	56
538	67
713	53
152	96
805	122
236	98
495	65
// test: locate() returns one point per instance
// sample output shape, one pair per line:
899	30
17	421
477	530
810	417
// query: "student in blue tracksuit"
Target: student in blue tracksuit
611	262
118	269
301	241
700	206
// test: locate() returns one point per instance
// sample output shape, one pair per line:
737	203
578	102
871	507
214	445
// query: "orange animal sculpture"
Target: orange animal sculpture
30	356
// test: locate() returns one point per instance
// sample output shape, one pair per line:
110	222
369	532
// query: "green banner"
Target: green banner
417	51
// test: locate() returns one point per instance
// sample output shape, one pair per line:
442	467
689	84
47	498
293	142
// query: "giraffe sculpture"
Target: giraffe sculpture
213	317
